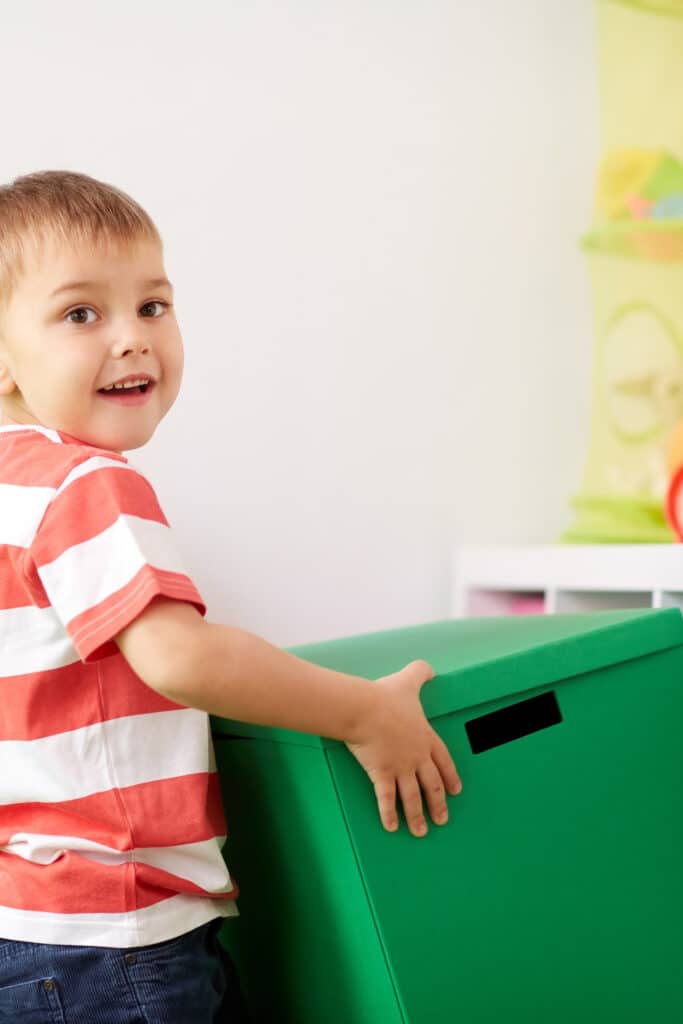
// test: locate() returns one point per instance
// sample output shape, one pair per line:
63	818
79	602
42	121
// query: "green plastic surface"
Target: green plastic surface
554	893
305	943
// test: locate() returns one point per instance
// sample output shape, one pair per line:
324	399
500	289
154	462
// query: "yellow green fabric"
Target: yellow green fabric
670	7
640	74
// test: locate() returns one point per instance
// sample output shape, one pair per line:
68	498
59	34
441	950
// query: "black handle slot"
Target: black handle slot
511	723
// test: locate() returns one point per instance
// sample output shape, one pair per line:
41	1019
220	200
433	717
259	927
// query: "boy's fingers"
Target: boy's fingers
416	673
411	798
385	791
444	762
435	794
421	671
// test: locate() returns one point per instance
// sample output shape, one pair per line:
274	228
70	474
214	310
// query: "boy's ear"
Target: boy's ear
7	382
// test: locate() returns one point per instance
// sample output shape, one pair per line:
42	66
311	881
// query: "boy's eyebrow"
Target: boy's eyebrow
73	285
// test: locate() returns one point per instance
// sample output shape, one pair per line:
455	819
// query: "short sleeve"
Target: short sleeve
103	550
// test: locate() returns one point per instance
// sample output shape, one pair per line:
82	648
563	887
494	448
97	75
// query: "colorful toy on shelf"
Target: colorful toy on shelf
636	174
674	497
639	205
637	400
634	251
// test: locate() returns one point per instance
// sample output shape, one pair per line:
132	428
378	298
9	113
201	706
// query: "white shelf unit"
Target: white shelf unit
565	578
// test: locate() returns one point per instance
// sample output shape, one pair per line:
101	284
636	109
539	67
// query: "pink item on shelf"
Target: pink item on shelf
528	604
482	603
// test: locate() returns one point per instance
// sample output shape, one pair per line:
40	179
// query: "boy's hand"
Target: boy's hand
233	674
397	747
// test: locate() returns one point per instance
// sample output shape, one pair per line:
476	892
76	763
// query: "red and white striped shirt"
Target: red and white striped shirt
111	821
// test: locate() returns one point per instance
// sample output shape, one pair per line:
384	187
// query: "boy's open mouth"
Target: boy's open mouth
128	396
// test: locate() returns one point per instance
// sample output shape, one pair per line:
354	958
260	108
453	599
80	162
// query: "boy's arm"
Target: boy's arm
229	672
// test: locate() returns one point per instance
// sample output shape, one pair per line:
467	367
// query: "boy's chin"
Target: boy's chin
130	442
126	441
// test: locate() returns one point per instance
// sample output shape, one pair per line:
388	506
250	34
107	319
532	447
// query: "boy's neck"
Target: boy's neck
9	421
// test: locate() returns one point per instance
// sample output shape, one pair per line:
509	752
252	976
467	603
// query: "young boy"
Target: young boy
112	882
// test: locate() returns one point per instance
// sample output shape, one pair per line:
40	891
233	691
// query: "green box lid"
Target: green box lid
481	660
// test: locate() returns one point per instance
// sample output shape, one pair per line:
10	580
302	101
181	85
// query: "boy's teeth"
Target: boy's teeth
128	384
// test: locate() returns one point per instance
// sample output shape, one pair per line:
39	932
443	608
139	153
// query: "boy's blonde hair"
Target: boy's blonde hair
67	206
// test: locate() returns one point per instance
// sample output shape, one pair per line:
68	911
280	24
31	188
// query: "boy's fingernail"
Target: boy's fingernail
392	825
421	829
442	818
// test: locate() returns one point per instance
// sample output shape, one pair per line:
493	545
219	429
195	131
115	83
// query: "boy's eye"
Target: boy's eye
86	309
156	302
81	309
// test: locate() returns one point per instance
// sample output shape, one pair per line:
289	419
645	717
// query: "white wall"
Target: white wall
370	210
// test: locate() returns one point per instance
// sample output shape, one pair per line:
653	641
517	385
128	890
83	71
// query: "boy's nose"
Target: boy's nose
127	345
141	348
127	335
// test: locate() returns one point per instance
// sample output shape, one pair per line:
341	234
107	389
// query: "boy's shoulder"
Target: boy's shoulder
41	456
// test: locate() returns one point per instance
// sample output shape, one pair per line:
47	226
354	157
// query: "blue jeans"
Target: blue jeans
186	980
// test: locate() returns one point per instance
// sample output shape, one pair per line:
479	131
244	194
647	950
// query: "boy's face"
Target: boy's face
57	351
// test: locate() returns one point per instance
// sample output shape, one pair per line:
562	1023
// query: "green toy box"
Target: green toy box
554	893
